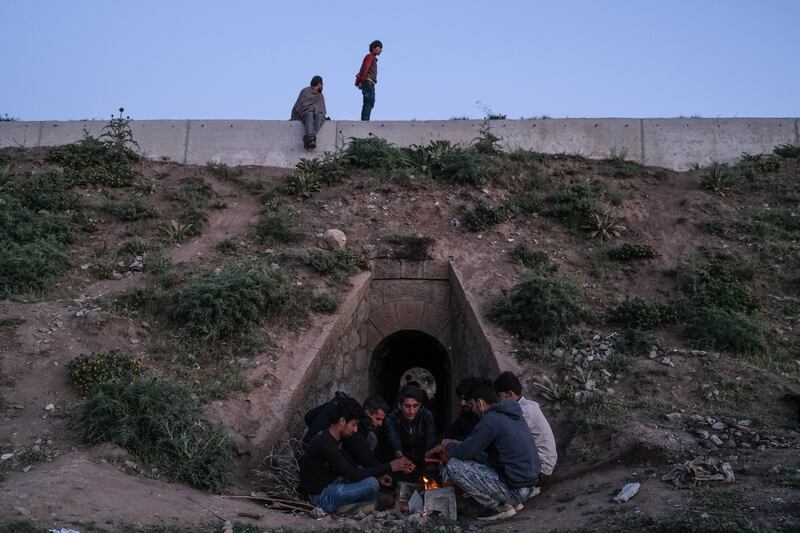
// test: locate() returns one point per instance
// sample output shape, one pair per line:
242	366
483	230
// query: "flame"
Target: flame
429	483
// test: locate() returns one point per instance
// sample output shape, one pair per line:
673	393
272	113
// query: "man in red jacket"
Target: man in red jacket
367	77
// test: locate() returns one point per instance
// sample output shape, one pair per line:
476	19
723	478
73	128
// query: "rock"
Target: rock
718	426
702	433
590	385
653	354
50	407
137	265
627	492
744	423
241	445
558	352
27	468
729	421
716	440
334	239
6	456
672	417
666	361
730	444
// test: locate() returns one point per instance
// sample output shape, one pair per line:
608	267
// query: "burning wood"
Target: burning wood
429	483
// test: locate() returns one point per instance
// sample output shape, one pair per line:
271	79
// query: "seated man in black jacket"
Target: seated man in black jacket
363	444
410	429
325	463
466	419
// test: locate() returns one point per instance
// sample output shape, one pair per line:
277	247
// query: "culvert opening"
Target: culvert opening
401	357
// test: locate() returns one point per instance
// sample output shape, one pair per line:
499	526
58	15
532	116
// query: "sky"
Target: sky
238	59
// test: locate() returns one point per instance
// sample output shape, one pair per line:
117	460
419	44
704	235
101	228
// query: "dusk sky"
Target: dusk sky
201	59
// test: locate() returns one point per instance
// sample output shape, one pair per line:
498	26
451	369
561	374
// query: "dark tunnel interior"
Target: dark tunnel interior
407	349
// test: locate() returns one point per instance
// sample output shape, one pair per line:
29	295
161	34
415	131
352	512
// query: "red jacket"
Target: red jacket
365	66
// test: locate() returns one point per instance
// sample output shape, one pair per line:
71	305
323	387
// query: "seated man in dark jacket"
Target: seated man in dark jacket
508	480
363	445
324	463
410	429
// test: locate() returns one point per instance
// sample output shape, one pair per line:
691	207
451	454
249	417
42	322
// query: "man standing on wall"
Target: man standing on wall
367	77
310	110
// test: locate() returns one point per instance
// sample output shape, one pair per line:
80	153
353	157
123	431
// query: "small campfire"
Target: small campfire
429	483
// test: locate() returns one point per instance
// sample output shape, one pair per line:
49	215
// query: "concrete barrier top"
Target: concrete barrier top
676	143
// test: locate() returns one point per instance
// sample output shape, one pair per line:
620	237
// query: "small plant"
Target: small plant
304	181
487	142
636	313
634	342
573	202
459	167
134	246
483	217
227	246
603	226
633	252
223	171
325	303
30	267
133	208
557	393
176	232
539	307
117	134
11	321
327	261
718	178
46	189
714	328
159	422
533	259
787	151
88	371
31	456
372	153
275	227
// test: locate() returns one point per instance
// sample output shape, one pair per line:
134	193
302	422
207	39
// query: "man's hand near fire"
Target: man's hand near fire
402	464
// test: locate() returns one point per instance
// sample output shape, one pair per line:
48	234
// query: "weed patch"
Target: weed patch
539	307
159	422
787	151
327	261
484	217
325	303
532	259
716	328
632	252
88	371
372	153
223	171
574	202
130	209
47	189
719	178
635	313
275	227
31	267
105	161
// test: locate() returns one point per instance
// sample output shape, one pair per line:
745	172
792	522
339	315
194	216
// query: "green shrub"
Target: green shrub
139	301
22	226
327	261
539	307
634	341
325	303
714	284
533	259
598	411
159	422
88	371
91	161
426	160
777	222
303	182
275	227
229	303
21	526
372	153
483	217
632	252
194	195
719	178
715	328
636	313
227	246
47	189
787	151
458	166
574	202
30	267
130	209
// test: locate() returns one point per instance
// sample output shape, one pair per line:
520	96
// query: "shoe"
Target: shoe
312	143
500	512
350	509
306	141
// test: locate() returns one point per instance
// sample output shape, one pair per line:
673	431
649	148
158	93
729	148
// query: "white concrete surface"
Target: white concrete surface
678	144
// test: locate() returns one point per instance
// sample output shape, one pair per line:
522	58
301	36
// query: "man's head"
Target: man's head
376	47
464	386
481	398
508	386
316	83
410	401
347	414
376	409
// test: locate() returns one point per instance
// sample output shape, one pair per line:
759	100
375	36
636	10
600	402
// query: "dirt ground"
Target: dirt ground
96	487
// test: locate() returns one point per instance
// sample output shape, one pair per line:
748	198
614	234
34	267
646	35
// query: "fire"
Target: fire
429	483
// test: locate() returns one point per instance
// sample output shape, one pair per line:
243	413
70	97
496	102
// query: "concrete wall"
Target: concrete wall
670	143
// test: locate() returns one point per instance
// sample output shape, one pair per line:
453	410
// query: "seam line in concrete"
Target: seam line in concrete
641	138
796	132
39	134
186	142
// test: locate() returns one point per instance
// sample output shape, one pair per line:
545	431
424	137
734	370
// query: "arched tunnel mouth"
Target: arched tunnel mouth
402	351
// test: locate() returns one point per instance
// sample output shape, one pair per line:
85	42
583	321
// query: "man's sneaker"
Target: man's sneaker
500	512
518	507
534	491
350	509
306	139
312	144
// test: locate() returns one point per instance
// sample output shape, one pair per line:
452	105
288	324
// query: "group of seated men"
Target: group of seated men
497	450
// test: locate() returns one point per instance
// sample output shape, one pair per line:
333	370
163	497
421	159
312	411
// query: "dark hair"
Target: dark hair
375	403
484	392
466	384
316	80
349	409
374	44
507	381
410	391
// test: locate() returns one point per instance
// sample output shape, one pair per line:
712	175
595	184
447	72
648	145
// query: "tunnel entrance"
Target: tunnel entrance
402	351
